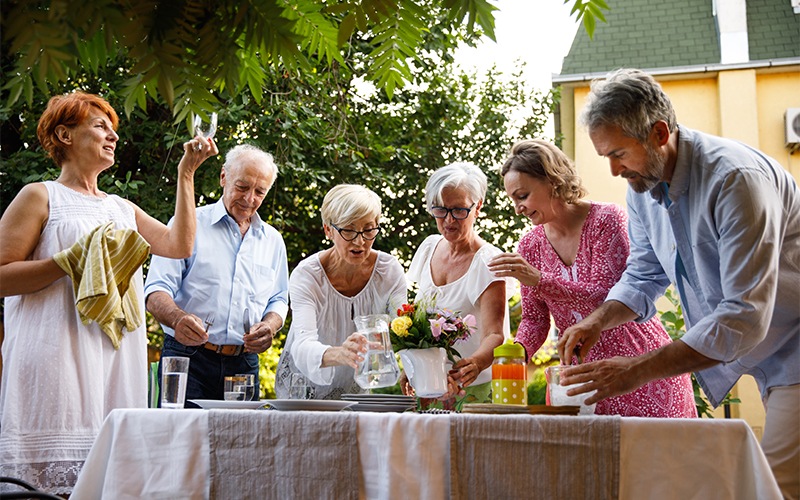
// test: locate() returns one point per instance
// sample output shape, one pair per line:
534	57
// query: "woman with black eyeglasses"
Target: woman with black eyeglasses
330	288
452	267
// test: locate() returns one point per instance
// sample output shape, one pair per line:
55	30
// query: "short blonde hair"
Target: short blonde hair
544	161
346	203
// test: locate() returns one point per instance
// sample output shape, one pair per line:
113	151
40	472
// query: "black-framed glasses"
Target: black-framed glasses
458	213
351	234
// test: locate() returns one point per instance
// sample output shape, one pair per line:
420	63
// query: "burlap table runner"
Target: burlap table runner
554	457
271	454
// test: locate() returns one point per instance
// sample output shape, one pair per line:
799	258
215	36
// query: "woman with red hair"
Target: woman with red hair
61	377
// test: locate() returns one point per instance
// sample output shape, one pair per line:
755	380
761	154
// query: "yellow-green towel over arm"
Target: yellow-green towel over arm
101	265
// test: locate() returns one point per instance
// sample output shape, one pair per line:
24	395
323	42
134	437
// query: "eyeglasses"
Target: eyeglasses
458	213
350	234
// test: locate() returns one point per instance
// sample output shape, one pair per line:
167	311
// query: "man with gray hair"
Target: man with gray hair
222	306
721	221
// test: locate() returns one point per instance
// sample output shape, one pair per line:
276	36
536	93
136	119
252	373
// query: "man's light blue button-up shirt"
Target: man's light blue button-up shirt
226	274
734	223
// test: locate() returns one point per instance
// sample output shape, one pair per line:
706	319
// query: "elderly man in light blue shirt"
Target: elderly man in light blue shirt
223	305
721	221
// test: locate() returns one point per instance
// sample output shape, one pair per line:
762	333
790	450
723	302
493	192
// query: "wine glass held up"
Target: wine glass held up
202	129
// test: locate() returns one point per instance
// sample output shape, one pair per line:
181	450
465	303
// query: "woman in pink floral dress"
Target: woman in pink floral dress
566	265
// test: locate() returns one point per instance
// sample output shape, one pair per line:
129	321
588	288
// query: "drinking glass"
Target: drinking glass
300	388
249	386
174	373
202	129
235	388
557	394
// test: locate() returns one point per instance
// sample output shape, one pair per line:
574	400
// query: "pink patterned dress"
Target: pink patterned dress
570	293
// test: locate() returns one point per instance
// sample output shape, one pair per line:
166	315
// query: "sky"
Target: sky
539	32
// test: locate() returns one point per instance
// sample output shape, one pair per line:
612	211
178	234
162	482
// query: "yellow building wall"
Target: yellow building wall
745	105
776	93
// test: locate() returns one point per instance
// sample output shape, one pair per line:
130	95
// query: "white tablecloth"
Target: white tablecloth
165	454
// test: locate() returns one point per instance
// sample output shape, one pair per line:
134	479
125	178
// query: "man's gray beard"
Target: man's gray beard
653	173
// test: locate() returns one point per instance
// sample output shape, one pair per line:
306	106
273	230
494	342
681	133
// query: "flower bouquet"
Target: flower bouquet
423	336
422	325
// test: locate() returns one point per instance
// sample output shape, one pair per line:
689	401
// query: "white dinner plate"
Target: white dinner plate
308	404
383	407
209	404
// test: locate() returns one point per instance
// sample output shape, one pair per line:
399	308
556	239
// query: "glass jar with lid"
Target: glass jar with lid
509	375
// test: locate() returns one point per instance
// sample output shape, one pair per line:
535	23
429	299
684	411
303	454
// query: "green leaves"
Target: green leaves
590	11
319	35
674	324
323	129
478	12
185	51
395	42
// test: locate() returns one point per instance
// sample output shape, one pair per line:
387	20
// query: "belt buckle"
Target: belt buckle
238	350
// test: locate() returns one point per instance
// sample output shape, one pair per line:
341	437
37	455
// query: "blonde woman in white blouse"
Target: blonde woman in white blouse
330	288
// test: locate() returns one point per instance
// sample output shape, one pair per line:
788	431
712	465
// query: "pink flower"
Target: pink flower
437	325
471	323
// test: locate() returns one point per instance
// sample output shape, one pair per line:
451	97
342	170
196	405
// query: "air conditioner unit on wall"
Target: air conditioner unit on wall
792	119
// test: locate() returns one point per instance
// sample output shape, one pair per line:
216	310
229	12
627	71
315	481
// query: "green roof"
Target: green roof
650	35
773	30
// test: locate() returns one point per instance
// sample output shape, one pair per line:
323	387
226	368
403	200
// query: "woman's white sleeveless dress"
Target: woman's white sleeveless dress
61	377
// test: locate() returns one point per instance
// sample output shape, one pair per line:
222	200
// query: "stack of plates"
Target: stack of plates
528	410
381	402
308	404
216	404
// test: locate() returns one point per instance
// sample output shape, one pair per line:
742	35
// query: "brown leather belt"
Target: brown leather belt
225	350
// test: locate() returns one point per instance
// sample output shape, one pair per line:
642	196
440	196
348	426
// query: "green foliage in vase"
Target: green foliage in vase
422	325
675	326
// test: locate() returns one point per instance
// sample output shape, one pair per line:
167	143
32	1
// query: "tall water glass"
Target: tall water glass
174	373
379	367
